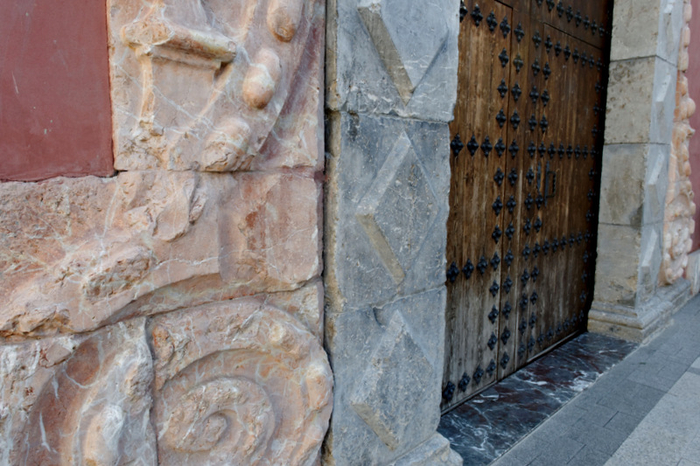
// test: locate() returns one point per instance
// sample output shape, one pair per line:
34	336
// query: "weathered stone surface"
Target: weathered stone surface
642	322
390	57
628	263
641	100
617	265
651	258
238	382
82	400
389	199
692	272
679	225
645	29
214	86
639	175
387	365
391	69
208	237
78	254
631	179
271	234
434	451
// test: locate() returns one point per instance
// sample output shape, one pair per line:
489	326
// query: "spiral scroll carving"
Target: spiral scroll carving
239	383
228	411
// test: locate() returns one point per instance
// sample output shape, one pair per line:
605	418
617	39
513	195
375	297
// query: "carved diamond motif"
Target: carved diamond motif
389	368
392	29
397	216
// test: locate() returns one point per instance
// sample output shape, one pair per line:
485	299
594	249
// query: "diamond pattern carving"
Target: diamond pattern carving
391	27
397	212
388	369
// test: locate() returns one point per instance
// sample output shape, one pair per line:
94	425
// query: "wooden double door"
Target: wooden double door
526	155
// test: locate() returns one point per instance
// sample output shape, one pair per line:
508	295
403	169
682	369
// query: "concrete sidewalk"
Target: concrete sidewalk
644	411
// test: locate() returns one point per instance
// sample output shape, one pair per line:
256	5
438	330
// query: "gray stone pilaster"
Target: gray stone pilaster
629	302
391	70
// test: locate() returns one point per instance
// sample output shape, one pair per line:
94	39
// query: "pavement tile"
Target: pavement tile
549	431
621	371
596	437
558	454
674	370
646	397
621	404
569	414
588	456
653	365
692	450
524	452
624	423
508	459
671	347
686	356
599	415
651	379
662	435
556	458
587	398
641	354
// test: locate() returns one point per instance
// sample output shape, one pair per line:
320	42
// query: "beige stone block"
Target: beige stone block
238	382
629	101
633	184
641	102
622	184
646	28
617	266
651	255
692	272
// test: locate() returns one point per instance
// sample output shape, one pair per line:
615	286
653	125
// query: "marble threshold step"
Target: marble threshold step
488	425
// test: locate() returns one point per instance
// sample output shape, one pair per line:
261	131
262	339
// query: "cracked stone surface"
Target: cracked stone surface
173	314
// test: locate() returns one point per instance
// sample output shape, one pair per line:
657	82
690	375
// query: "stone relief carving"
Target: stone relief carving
238	383
78	400
149	242
680	208
172	314
214	78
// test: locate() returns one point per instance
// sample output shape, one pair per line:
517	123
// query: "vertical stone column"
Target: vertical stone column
629	301
391	71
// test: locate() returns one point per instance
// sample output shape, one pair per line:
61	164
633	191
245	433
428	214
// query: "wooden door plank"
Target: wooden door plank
473	219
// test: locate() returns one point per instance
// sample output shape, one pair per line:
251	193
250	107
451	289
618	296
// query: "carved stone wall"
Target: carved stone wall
679	224
172	314
391	73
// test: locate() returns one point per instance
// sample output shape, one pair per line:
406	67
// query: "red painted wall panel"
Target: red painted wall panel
55	115
693	75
